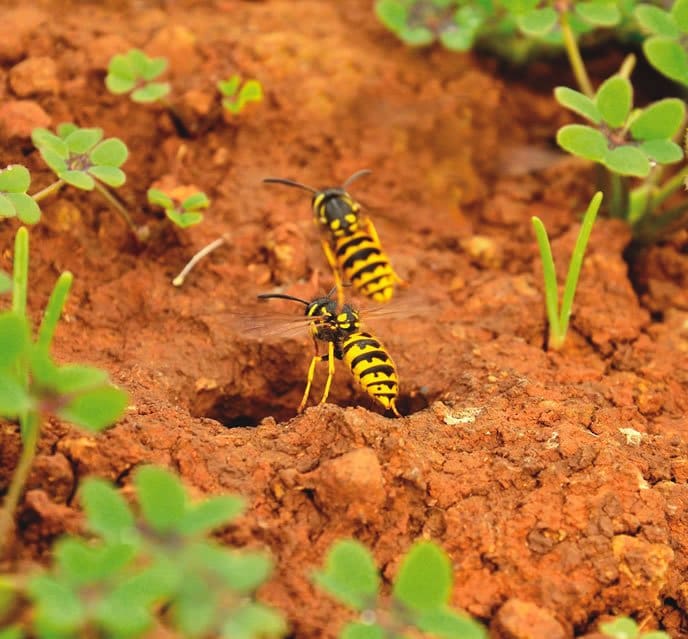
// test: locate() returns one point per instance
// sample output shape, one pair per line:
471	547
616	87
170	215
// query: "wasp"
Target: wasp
339	326
352	246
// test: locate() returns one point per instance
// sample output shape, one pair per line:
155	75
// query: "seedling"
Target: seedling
626	628
185	213
5	283
157	557
135	73
14	200
235	98
419	600
33	386
81	158
559	318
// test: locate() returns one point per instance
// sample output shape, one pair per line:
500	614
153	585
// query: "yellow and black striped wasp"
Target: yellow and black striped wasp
352	248
339	326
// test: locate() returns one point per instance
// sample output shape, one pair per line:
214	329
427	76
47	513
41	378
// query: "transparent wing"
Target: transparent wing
402	306
270	324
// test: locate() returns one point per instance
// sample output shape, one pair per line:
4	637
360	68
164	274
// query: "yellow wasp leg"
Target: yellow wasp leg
330	370
335	271
309	379
370	227
393	406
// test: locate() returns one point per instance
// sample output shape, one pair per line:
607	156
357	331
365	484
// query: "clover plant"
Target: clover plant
14	199
33	386
185	213
558	317
626	628
236	98
419	600
135	73
139	561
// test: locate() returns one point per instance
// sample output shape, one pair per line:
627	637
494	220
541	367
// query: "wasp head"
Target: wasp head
337	211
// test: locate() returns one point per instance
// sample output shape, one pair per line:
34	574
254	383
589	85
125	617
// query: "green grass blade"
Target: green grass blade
550	277
21	271
577	262
54	309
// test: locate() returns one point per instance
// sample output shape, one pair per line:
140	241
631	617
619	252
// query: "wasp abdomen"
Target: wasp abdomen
372	367
365	265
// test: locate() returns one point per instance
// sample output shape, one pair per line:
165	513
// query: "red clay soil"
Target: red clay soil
557	482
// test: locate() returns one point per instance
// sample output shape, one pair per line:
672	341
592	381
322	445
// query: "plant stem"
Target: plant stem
53	310
179	280
48	190
627	66
575	59
669	187
550	277
31	428
618	194
21	271
576	263
114	202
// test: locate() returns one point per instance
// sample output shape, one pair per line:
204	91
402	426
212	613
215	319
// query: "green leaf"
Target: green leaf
416	36
627	160
254	620
194	607
538	22
252	91
679	12
122	620
241	571
446	624
5	283
15	179
14	397
655	634
107	512
424	580
668	57
74	378
662	151
152	92
58	611
79	179
53	160
583	141
184	220
362	631
601	14
14	339
6	207
620	628
12	632
44	139
120	66
456	39
110	175
656	20
65	129
578	103
96	409
154	67
26	207
138	62
81	563
53	311
158	198
119	85
210	514
161	497
82	140
661	119
350	574
229	87
195	201
614	99
110	152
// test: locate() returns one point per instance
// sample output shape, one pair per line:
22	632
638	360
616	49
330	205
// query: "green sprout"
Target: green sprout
558	318
5	283
81	158
665	49
156	557
626	628
235	98
134	73
14	200
185	213
32	386
420	594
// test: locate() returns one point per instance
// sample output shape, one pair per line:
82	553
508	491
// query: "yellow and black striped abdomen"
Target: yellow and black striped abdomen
362	261
373	368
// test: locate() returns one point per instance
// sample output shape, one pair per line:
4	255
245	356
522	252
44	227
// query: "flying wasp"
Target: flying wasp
339	326
352	246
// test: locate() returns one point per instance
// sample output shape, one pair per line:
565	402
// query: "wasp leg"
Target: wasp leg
335	271
393	406
330	370
370	227
311	373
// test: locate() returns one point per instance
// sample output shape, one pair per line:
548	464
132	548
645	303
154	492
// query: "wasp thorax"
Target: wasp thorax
337	211
348	319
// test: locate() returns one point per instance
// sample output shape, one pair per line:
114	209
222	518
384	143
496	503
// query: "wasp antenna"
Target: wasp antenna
355	176
281	296
286	182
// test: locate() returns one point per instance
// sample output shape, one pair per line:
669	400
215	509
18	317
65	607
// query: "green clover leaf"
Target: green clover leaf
14	200
134	73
